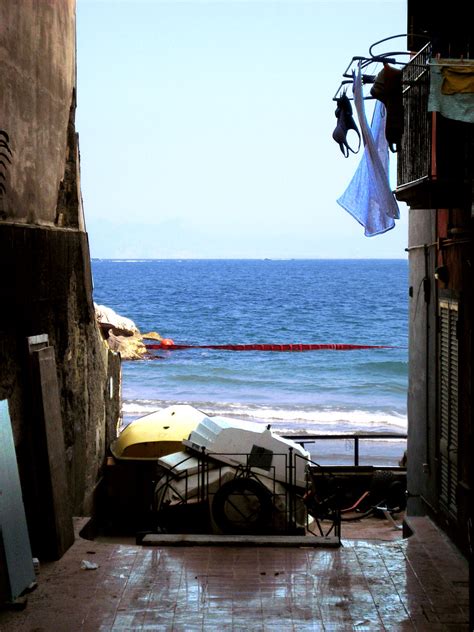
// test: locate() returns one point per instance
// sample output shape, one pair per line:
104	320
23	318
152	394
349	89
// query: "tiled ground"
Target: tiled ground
416	584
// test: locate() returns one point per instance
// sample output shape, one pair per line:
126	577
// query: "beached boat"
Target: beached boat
156	434
249	444
240	476
228	440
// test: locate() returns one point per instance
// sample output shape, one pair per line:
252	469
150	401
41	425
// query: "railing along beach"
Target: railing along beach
355	437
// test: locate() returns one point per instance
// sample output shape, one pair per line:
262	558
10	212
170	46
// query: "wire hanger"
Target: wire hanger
364	63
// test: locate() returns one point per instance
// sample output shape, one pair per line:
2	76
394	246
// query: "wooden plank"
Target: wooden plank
185	539
58	535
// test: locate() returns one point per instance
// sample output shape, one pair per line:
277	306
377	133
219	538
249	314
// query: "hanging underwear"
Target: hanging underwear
345	122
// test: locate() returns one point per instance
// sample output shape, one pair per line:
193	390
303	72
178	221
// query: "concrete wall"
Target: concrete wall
45	276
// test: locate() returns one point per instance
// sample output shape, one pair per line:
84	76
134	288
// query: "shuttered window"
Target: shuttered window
448	403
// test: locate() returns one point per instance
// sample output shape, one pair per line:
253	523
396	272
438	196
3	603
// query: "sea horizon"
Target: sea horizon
132	259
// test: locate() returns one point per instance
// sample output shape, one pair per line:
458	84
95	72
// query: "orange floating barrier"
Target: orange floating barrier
169	345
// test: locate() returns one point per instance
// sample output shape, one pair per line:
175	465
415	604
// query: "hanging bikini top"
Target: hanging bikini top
345	122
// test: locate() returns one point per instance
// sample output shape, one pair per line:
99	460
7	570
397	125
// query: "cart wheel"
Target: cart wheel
241	506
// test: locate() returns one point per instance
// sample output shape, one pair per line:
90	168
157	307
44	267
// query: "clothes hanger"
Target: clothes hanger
365	62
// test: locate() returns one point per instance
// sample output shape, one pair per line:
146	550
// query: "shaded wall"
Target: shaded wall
448	255
45	276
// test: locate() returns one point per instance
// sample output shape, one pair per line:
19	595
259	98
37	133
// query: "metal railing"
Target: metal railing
259	501
355	437
414	158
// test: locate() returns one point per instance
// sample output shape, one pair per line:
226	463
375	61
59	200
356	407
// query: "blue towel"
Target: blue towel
368	198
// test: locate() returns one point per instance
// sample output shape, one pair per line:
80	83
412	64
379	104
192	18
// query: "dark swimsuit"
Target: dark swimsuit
345	122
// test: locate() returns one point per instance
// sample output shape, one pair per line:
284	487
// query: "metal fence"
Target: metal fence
210	493
203	493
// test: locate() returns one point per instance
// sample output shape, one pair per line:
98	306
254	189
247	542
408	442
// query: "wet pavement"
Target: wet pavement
419	583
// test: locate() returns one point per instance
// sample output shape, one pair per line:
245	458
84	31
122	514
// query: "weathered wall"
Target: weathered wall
45	277
59	304
37	56
455	227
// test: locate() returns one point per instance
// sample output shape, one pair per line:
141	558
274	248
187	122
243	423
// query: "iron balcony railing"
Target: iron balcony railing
414	158
434	161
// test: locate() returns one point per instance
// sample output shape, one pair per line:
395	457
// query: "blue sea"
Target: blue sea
199	302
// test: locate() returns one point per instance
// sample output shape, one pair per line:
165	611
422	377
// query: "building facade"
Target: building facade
436	180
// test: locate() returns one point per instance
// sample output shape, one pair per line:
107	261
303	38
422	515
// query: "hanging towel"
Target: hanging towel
456	106
458	79
368	198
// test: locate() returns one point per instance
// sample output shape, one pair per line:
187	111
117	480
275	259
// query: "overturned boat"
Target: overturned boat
157	434
249	444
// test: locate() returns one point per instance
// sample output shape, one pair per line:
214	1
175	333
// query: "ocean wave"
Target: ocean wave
127	260
387	366
291	419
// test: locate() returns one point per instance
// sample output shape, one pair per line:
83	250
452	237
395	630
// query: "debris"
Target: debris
89	566
36	565
19	603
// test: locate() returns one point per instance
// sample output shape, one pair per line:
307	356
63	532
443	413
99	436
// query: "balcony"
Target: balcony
432	162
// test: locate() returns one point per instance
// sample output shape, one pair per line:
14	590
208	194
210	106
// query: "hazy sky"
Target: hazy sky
205	127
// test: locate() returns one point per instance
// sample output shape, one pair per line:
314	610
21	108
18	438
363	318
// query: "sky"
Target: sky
205	127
